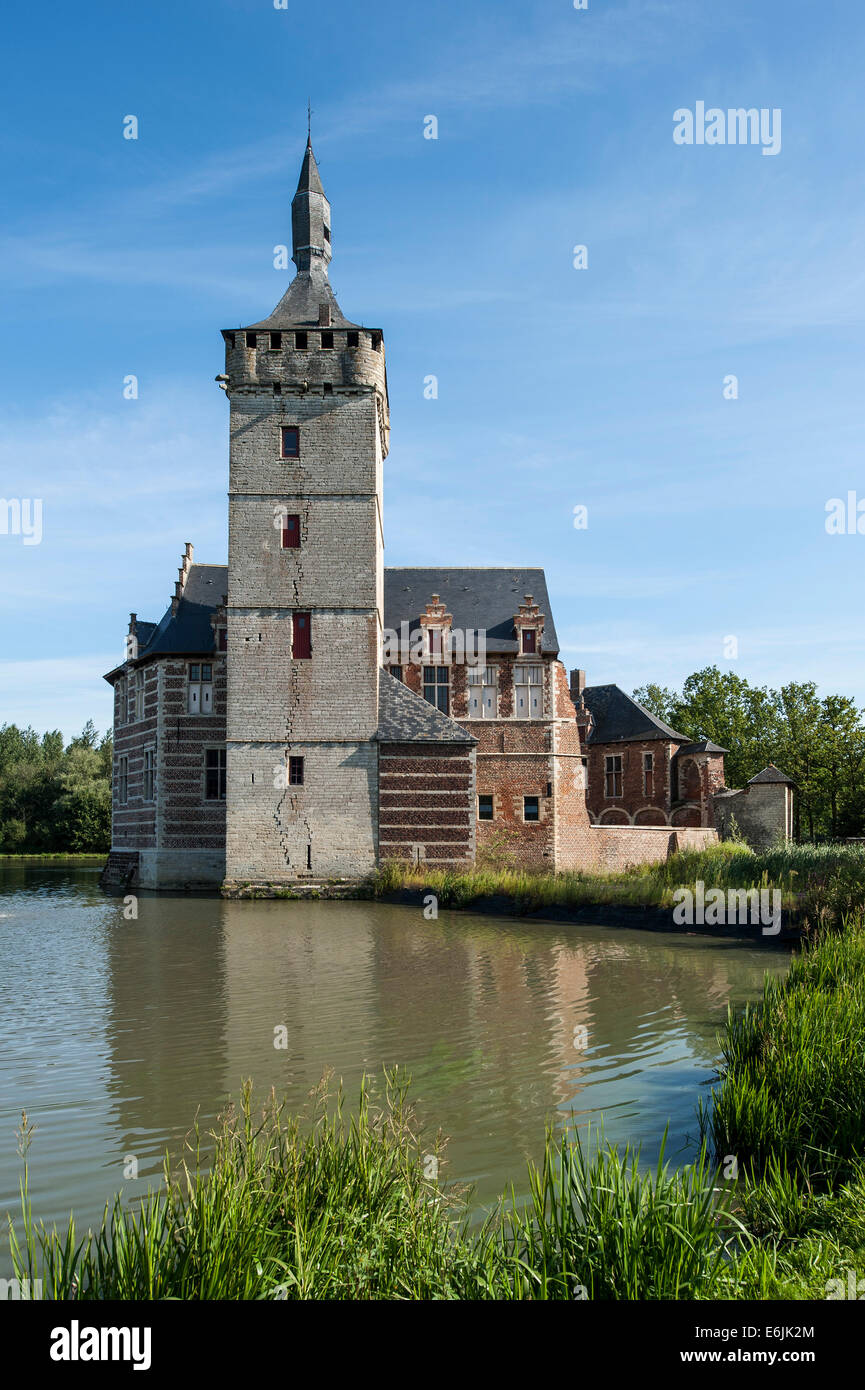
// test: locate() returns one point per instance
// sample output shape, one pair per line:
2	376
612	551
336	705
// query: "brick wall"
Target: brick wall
634	805
426	803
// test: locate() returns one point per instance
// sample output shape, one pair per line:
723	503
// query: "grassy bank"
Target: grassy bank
56	858
819	882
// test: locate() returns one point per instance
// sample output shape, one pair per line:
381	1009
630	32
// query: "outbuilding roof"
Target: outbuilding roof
617	718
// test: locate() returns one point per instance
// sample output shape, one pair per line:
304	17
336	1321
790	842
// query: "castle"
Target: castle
305	714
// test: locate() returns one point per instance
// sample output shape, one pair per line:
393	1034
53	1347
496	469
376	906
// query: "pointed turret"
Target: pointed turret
310	218
309	299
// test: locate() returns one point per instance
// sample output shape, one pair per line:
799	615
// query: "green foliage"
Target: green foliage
794	1083
822	882
54	798
819	743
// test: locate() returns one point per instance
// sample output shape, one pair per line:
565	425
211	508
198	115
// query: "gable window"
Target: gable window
295	772
436	687
434	643
528	692
301	639
123	780
291	533
530	638
214	774
485	808
531	808
483	682
648	774
289	441
613	775
199	698
149	774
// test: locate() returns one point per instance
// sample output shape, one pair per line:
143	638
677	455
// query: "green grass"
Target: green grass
793	1087
62	857
820	882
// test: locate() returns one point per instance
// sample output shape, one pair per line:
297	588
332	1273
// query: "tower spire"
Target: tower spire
310	218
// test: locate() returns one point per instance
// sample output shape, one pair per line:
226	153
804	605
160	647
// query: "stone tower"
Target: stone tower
309	433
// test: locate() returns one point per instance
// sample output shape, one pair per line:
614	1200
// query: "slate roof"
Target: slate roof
771	774
705	745
299	306
478	598
619	719
189	630
405	717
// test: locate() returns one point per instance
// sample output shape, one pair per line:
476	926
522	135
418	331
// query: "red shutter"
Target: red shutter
528	639
291	533
302	638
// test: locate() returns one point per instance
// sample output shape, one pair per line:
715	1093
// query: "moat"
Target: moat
113	1031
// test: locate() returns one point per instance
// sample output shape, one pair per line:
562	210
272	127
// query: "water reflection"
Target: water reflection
113	1032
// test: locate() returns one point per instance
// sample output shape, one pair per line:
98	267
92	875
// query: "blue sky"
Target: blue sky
558	387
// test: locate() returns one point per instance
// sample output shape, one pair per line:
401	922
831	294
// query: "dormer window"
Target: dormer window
434	637
530	639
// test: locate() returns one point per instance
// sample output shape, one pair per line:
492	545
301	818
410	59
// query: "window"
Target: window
300	341
295	772
149	773
229	340
613	775
222	635
327	233
434	639
123	780
531	808
585	774
375	342
301	641
483	684
138	696
436	687
199	698
275	342
396	672
214	774
290	441
485	808
648	774
327	340
529	640
351	340
528	692
252	340
291	533
121	701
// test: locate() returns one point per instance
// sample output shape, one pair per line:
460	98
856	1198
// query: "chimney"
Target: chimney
578	685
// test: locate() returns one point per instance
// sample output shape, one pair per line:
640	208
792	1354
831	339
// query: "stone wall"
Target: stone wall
763	813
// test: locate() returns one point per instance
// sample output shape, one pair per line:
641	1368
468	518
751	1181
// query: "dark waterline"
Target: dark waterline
114	1032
